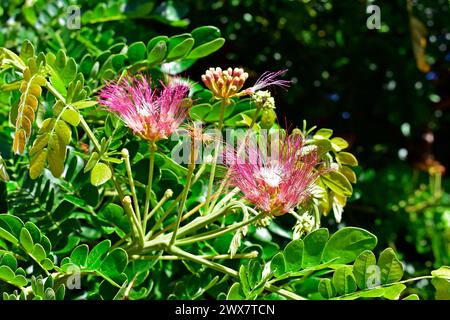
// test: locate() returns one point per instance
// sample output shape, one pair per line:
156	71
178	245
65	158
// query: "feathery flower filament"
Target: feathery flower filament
274	182
152	114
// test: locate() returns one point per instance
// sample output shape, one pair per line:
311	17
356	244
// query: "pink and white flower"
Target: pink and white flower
274	181
153	114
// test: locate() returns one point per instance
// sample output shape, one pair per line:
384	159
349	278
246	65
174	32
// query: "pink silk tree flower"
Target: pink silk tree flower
153	114
275	182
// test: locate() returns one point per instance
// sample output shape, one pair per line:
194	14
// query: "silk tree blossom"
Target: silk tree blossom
275	182
228	83
153	114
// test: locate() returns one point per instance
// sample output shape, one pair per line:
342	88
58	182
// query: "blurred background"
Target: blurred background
387	90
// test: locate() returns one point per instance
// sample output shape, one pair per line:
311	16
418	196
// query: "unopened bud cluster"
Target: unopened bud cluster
224	83
263	222
304	225
264	99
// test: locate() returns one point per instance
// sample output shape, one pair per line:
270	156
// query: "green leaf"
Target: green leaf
9	260
277	264
393	292
326	288
29	13
154	41
49	294
314	243
338	183
6	274
69	72
293	255
114	263
344	281
442	287
136	52
97	253
181	49
412	297
39	252
79	255
56	152
323	134
113	214
390	267
442	272
27	50
348	173
26	241
158	53
37	163
244	280
84	104
214	114
118	61
100	174
165	162
235	292
205	34
200	111
347	244
339	144
206	49
365	260
11	224
19	281
7	236
47	264
93	159
63	131
254	273
75	200
71	116
346	158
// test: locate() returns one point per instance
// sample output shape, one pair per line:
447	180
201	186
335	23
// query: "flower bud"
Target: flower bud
168	194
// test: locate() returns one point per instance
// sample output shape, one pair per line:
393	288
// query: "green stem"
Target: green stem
223	105
126	158
162	241
217	233
167	195
137	228
249	255
218	267
148	190
185	194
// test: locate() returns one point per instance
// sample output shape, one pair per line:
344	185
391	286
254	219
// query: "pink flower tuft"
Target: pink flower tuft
268	79
152	114
274	181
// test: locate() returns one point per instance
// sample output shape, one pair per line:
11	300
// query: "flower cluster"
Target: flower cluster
225	84
152	114
264	99
274	182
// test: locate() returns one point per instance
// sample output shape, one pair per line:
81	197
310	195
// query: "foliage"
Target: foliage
91	211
